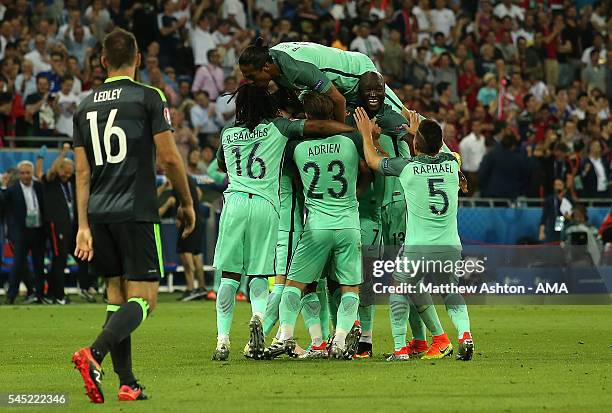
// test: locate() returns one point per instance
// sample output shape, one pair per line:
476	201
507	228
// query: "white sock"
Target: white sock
366	337
286	332
315	334
223	339
260	315
340	338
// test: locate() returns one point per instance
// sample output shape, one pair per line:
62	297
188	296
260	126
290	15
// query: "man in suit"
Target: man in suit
61	223
24	205
595	171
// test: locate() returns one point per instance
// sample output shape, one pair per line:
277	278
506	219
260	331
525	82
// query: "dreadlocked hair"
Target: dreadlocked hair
254	104
255	55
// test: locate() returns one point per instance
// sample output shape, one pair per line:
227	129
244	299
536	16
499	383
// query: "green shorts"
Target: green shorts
371	237
316	246
247	235
439	267
285	247
394	223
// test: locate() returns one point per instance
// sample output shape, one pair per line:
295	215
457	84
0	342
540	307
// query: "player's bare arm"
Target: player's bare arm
175	170
339	103
84	241
325	128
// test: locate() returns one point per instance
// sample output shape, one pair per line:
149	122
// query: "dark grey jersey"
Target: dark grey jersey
116	124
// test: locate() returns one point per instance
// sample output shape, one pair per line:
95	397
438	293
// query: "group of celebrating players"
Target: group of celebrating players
322	171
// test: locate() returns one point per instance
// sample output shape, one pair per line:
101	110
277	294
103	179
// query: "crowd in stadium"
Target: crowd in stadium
522	88
533	76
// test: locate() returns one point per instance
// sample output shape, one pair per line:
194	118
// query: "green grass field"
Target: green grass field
528	358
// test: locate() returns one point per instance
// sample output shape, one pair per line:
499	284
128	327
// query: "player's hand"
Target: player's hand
84	245
186	215
414	120
463	183
362	120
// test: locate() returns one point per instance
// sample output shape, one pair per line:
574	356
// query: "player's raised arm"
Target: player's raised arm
84	241
364	126
175	170
325	127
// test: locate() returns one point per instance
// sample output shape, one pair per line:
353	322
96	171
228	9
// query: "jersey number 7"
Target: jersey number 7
109	131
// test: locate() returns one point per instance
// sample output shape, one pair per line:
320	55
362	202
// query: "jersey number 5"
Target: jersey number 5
437	192
109	131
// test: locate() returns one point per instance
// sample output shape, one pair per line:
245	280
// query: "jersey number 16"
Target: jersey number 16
109	131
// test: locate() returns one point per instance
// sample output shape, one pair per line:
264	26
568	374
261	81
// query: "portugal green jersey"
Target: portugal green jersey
329	168
253	158
431	187
291	200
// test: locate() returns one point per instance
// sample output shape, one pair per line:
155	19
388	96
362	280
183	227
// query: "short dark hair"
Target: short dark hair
41	76
120	49
5	97
65	79
429	137
210	52
526	98
441	87
318	106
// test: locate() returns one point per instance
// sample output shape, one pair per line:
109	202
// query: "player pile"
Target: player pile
340	190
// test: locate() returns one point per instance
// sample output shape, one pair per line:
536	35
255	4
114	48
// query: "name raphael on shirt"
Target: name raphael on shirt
432	168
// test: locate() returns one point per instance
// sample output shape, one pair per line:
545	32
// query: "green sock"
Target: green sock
243	285
271	315
226	298
458	313
217	281
398	314
334	303
324	314
428	314
258	294
366	318
347	314
416	324
288	311
311	308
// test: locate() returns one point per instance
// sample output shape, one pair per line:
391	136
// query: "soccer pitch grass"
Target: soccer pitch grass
527	358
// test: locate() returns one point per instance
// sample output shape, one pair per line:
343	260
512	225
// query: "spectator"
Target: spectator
528	60
193	160
422	13
594	75
184	137
169	31
38	56
99	19
394	57
209	77
557	166
23	203
472	149
368	44
595	172
226	104
525	30
67	103
488	93
204	118
442	18
25	82
503	171
201	39
556	210
40	108
598	46
469	83
550	40
506	8
446	72
207	154
184	99
79	45
233	11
